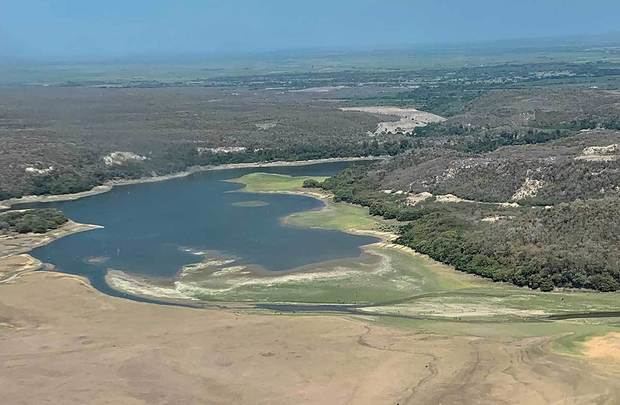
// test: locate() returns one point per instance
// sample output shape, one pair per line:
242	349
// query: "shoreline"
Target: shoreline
326	198
110	184
144	288
24	244
15	249
16	244
385	239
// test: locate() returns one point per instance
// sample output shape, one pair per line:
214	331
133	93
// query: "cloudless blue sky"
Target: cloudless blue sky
118	28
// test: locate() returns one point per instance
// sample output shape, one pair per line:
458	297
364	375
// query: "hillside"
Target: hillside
586	165
512	197
56	140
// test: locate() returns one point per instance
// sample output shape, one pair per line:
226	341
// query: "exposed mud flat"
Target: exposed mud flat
142	287
456	310
217	277
607	153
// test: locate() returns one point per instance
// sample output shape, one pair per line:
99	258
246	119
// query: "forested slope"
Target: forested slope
522	187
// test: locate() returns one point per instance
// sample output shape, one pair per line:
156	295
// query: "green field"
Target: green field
339	216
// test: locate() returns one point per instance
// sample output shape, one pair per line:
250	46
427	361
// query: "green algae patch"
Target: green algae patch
250	204
339	216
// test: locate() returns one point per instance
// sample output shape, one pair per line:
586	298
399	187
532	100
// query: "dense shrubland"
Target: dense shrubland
572	245
505	146
35	220
177	159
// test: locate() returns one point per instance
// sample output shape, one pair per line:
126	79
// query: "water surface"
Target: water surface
154	229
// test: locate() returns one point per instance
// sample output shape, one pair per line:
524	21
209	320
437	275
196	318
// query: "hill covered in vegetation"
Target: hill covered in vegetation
519	183
73	130
542	215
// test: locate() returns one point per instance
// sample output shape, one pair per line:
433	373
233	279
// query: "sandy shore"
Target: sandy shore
70	344
6	204
14	262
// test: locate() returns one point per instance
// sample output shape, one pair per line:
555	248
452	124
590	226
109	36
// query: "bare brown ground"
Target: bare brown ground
604	347
12	266
62	342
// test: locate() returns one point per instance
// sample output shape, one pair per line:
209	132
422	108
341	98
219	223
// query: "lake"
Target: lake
153	230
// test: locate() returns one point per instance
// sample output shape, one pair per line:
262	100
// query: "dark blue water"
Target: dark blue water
149	227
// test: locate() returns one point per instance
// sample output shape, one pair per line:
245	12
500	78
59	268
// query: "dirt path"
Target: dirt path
63	342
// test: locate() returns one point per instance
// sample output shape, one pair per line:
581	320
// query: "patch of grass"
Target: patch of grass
502	298
567	335
273	183
340	216
561	302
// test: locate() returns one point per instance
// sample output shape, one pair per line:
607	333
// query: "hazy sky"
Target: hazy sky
117	28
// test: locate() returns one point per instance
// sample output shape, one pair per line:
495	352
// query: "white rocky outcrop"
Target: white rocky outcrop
39	172
119	158
410	118
223	149
528	189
